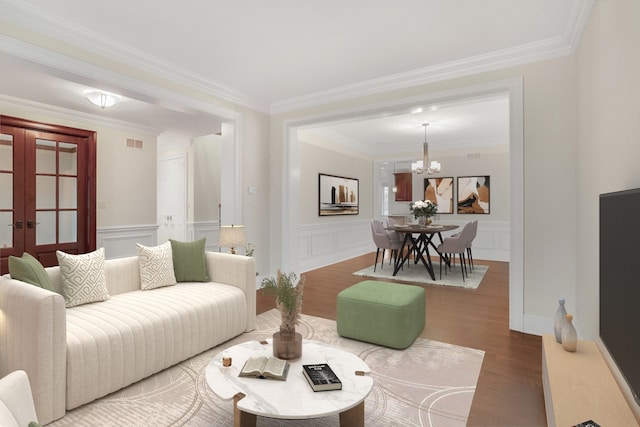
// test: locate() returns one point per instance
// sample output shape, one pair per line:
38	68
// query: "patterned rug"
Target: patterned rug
429	384
418	274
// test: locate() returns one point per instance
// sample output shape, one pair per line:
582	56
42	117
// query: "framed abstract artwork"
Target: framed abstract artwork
474	194
337	195
440	192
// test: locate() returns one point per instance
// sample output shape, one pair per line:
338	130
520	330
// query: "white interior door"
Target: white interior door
172	198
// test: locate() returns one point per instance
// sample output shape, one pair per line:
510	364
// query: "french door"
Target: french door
47	190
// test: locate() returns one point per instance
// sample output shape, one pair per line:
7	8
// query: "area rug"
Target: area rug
418	274
429	384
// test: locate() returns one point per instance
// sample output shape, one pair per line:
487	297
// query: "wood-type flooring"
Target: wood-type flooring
509	390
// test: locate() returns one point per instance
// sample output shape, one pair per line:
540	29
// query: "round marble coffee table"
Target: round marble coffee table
293	398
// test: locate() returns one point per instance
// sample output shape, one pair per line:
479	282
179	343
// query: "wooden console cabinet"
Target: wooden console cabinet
579	387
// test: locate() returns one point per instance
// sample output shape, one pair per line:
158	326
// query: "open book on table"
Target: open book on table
265	367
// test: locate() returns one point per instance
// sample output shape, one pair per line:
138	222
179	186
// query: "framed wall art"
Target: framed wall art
337	195
474	194
440	192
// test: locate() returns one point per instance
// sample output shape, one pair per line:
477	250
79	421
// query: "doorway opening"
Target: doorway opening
513	88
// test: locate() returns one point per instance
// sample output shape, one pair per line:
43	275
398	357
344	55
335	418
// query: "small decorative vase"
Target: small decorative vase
422	221
559	321
569	335
287	344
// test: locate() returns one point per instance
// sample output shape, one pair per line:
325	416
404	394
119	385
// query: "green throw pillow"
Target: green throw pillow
34	424
189	263
28	269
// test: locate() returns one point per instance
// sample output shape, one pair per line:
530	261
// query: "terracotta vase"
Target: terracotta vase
287	344
569	335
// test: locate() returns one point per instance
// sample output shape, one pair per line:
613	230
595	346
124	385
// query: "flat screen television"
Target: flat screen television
620	282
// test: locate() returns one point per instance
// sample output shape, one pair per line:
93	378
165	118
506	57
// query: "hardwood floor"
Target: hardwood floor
509	390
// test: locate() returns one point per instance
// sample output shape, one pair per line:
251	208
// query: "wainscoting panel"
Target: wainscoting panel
120	242
324	244
207	229
492	241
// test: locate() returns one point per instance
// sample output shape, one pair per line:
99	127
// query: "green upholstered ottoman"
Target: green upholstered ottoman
389	314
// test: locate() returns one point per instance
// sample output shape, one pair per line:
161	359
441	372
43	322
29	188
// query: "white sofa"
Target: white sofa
78	354
16	403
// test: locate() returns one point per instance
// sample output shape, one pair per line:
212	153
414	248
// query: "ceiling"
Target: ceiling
272	56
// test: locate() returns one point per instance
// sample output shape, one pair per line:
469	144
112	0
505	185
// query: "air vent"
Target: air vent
135	143
473	156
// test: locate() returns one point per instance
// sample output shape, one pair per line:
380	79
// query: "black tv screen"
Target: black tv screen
620	282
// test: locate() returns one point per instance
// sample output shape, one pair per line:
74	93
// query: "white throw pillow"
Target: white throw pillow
156	266
83	277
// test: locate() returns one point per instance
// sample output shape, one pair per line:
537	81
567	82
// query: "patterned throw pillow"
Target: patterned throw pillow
83	278
156	266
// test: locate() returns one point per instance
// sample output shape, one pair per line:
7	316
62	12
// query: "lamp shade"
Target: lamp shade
232	236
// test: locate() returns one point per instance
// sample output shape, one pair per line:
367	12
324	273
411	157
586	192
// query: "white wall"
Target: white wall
327	239
608	104
206	178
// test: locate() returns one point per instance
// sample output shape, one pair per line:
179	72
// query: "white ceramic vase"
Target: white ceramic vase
559	321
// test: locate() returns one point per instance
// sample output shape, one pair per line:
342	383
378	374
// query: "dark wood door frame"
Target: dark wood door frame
88	138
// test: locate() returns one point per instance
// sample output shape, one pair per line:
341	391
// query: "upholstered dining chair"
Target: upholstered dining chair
474	233
470	244
456	245
383	240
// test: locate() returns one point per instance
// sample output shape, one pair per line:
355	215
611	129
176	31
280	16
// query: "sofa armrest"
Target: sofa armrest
15	393
33	339
238	271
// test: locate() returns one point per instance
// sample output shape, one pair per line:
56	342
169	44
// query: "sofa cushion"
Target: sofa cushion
83	278
189	262
133	335
156	266
28	269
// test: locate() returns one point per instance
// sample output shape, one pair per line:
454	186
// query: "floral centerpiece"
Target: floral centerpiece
287	344
422	210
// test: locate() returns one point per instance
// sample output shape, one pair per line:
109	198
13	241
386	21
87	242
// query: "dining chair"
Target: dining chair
474	233
473	236
384	240
394	235
456	245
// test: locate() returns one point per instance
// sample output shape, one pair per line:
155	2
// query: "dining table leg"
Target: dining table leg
402	258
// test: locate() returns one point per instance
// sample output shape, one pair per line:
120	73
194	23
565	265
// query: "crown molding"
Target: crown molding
37	108
27	16
580	13
533	52
519	55
22	15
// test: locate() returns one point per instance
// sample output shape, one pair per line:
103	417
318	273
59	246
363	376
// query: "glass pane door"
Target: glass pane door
6	191
56	202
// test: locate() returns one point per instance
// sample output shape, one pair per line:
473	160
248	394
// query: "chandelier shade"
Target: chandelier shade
425	165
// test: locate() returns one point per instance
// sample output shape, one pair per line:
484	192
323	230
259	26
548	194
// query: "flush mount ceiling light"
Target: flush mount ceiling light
101	99
424	165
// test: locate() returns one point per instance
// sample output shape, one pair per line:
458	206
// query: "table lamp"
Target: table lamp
232	236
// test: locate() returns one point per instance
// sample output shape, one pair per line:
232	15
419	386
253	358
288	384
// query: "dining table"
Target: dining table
417	239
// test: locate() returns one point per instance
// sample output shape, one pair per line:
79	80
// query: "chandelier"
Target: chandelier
425	165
